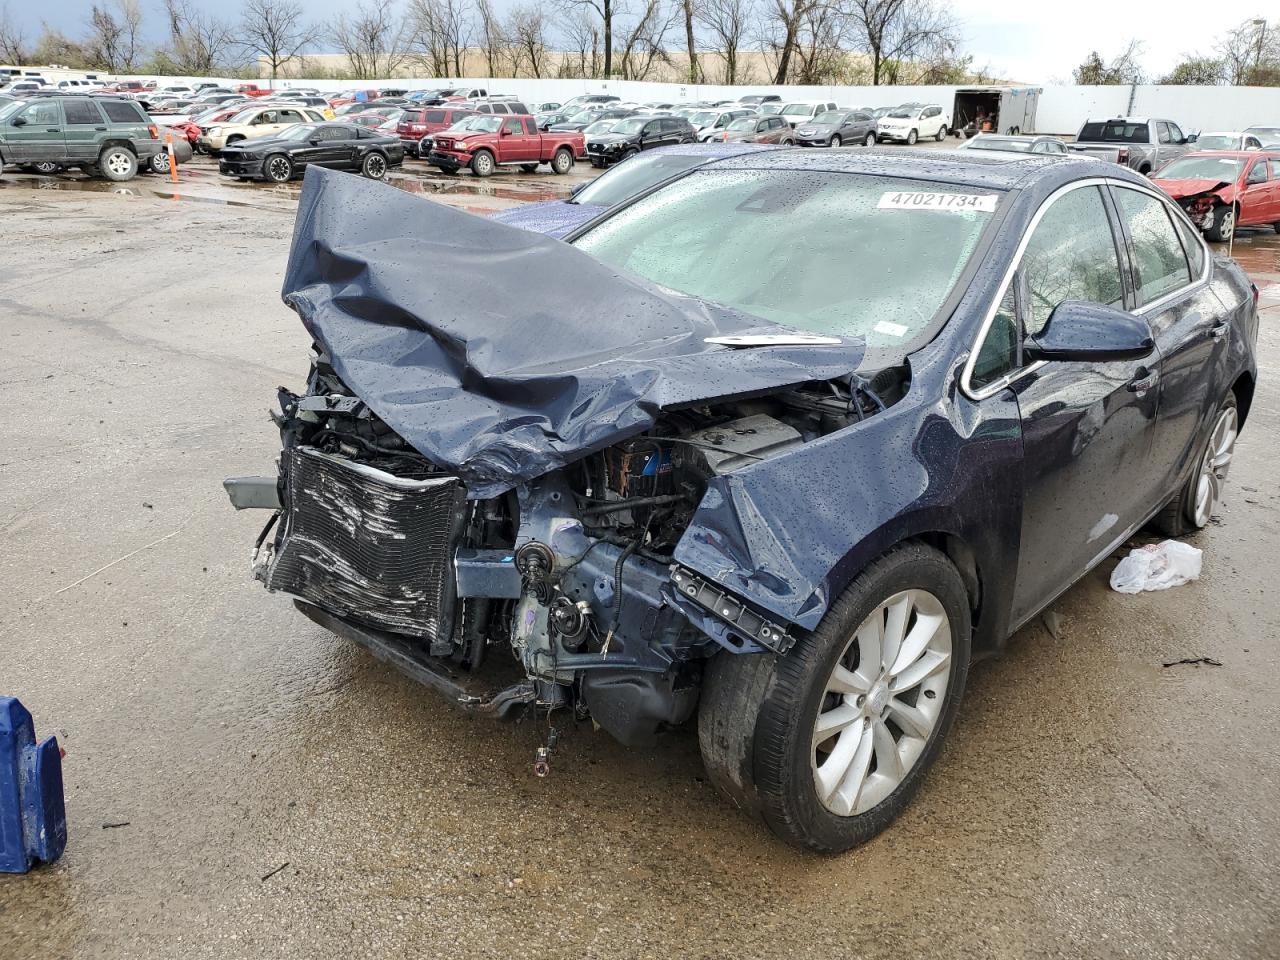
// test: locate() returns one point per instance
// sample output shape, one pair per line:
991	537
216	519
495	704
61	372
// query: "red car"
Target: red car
495	140
252	90
417	123
1224	189
351	96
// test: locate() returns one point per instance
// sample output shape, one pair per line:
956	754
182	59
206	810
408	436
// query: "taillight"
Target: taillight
1123	155
154	131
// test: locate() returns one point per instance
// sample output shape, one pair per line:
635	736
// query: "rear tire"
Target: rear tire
1192	508
159	162
760	715
942	133
45	167
374	166
117	164
562	162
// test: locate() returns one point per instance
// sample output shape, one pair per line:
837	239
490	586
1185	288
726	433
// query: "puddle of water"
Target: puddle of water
133	189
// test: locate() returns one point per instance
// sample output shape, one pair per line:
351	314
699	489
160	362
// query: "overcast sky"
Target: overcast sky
1030	40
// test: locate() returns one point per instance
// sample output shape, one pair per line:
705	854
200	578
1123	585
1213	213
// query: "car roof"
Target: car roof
1233	154
988	169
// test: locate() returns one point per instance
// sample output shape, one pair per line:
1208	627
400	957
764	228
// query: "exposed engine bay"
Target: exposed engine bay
572	572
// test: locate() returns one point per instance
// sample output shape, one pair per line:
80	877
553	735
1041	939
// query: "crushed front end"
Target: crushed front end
564	588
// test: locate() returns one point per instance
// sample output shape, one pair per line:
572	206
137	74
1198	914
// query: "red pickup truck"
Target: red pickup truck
491	141
253	90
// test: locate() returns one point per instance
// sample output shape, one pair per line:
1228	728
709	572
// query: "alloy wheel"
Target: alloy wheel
836	141
1228	225
1215	464
160	162
118	163
881	703
870	141
278	169
375	167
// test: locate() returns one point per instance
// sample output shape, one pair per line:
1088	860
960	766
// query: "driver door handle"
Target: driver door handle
1220	329
1142	381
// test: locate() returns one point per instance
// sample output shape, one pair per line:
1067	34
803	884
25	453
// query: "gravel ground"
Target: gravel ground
242	784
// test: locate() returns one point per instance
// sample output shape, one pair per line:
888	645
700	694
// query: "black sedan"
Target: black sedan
628	137
339	146
837	127
795	505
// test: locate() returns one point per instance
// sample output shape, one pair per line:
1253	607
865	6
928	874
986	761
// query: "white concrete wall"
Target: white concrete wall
1061	108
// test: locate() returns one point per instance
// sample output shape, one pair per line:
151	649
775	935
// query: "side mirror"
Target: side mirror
576	190
1082	331
315	141
19	121
504	132
1192	138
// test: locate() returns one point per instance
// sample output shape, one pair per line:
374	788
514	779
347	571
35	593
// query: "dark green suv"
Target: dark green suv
105	136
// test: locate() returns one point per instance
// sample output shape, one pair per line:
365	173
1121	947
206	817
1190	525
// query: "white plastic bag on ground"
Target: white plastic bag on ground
1157	566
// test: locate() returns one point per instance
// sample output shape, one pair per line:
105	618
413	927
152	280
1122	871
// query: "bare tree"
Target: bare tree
1248	51
893	31
275	31
780	31
820	47
582	40
13	40
604	12
526	32
198	41
373	39
493	39
727	21
689	10
644	44
114	40
441	31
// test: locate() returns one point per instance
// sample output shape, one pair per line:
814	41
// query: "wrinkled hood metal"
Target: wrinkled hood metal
502	354
554	218
1181	189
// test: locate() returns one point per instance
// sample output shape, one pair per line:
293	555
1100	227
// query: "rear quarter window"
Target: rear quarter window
123	111
1159	257
432	116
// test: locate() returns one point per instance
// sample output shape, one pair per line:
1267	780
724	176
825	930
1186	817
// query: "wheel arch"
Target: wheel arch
117	142
1243	390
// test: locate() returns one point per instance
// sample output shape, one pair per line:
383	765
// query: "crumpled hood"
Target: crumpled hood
503	354
1177	189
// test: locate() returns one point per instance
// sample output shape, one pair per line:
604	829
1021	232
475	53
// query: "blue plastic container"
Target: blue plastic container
33	814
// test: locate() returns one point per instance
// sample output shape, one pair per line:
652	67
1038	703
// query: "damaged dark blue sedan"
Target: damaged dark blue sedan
785	444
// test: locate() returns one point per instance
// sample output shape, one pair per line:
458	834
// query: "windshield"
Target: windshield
999	143
785	245
628	127
747	124
769	109
244	116
484	123
299	131
901	114
1201	168
833	117
798	109
1218	141
600	126
1117	132
703	117
1267	135
635	176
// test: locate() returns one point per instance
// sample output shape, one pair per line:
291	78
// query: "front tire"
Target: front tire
277	168
828	743
482	164
835	141
912	137
870	140
1223	227
1193	507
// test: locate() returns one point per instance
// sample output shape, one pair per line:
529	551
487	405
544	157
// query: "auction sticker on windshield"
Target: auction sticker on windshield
910	200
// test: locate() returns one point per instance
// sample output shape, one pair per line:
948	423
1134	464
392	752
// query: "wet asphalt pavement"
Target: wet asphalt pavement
242	784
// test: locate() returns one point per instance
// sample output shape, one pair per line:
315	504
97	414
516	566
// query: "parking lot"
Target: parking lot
242	783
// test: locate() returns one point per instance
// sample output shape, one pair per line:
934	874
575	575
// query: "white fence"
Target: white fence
1061	108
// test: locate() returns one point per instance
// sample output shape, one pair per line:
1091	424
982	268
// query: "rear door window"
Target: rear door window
1159	260
81	112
